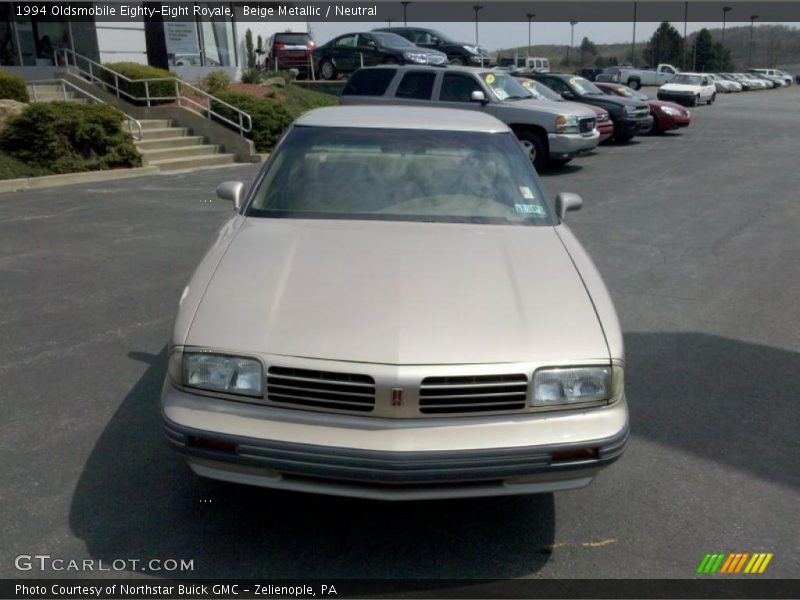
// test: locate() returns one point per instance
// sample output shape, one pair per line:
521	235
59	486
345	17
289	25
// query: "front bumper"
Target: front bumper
564	145
393	459
675	97
627	127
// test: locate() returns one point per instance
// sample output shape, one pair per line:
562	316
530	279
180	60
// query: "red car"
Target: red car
666	115
290	50
604	124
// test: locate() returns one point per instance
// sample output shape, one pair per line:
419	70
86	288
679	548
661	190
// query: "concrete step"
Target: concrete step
190	162
151	156
61	99
45	88
44	96
163	132
173	142
155	123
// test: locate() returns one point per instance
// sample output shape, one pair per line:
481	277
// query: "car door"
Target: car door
343	53
455	91
414	88
707	88
367	53
666	75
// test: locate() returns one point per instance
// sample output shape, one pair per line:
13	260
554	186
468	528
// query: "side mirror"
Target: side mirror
567	95
566	201
233	191
478	96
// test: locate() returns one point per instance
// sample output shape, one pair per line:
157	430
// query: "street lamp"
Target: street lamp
530	16
571	38
725	11
476	8
633	43
685	24
405	4
750	47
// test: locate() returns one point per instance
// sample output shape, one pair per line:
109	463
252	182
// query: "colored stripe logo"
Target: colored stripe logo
734	562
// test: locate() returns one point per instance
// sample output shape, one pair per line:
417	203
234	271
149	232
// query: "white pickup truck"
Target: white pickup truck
636	78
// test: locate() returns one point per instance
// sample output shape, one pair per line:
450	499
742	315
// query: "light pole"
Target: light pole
571	39
685	24
633	43
530	16
750	47
725	11
405	4
476	8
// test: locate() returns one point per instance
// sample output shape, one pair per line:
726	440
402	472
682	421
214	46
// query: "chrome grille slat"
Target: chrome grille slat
473	393
324	390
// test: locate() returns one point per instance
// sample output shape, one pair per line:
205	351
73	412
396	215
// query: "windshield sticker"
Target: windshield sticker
526	192
490	79
530	209
500	93
573	81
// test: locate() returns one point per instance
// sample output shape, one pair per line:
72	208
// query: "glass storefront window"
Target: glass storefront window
8	44
183	46
219	45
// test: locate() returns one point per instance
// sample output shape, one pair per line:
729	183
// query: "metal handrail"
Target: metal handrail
64	83
245	124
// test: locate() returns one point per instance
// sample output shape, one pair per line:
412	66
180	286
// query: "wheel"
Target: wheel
654	128
695	99
456	60
623	139
634	84
534	146
713	97
326	70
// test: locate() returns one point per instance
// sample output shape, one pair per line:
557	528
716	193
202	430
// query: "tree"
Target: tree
606	61
665	46
588	51
705	56
249	50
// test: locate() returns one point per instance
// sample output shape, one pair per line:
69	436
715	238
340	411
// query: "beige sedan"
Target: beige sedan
395	312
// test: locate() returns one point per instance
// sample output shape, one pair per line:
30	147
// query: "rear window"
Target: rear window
292	38
369	82
416	86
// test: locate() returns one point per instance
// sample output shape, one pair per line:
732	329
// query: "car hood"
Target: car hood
549	107
679	87
398	293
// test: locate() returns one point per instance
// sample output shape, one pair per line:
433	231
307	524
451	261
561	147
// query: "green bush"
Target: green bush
270	119
13	168
136	71
66	137
216	82
251	76
13	87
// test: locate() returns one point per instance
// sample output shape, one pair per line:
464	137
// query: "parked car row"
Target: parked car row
555	116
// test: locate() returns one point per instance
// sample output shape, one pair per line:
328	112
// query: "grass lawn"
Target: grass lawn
297	99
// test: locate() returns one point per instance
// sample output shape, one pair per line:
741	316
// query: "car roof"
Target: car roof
437	68
402	117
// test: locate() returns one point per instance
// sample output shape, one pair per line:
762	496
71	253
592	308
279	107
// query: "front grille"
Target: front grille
641	111
587	125
603	118
321	389
473	393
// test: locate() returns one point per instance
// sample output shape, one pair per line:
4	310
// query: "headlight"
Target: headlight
217	372
567	124
471	49
668	110
417	57
576	385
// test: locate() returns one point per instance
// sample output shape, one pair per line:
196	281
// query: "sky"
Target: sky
494	36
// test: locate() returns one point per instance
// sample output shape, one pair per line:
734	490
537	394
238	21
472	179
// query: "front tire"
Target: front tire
535	147
456	60
713	97
695	99
634	84
326	70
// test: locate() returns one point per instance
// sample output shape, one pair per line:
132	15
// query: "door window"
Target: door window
416	85
458	88
347	41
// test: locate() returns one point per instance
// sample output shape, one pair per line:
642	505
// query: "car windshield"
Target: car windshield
687	79
392	40
400	175
504	86
584	87
627	92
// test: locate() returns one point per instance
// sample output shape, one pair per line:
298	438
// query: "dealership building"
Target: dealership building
190	46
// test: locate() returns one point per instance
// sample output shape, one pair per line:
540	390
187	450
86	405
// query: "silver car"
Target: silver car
395	312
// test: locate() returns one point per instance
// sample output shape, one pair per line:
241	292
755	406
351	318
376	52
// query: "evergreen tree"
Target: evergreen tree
249	49
665	46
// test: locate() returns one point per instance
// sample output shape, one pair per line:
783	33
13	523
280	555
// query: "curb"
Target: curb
48	181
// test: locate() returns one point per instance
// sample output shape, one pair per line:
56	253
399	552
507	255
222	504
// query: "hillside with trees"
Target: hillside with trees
773	45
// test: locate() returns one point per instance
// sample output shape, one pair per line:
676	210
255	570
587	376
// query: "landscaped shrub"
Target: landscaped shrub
270	119
66	137
12	168
216	82
13	87
251	76
136	71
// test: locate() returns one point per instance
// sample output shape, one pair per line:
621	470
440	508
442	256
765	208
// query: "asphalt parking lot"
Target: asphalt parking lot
696	234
